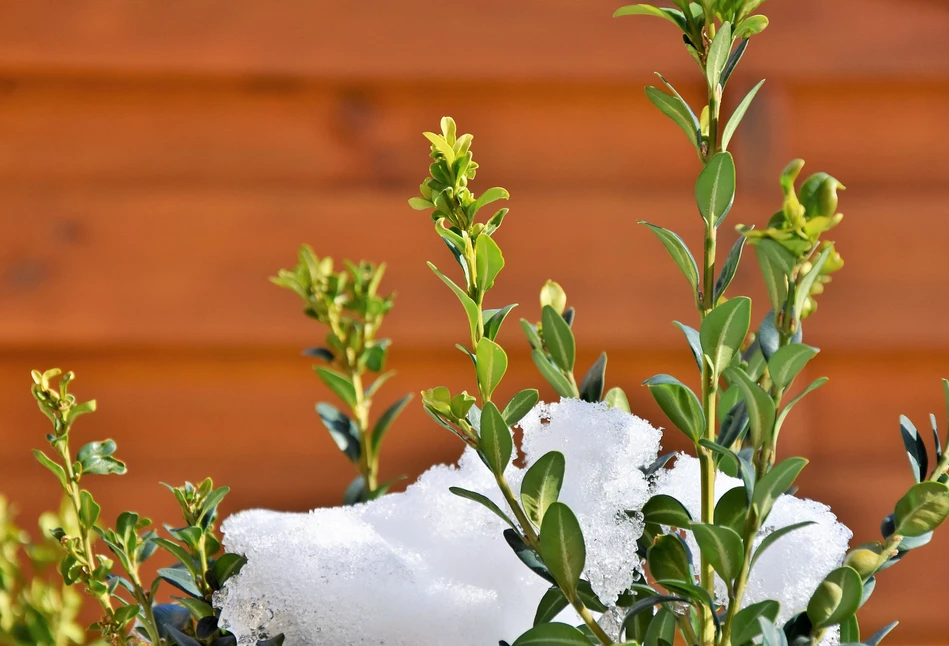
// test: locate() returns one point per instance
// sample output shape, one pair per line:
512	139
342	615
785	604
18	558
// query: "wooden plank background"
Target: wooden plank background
159	160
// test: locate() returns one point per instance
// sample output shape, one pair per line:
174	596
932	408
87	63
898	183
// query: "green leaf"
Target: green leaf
729	268
679	404
695	343
733	59
552	374
562	547
761	412
746	627
715	188
771	635
678	111
339	384
649	10
817	383
878	636
88	509
497	445
342	429
787	363
723	548
737	116
666	510
680	254
836	598
731	510
751	26
483	500
807	282
54	468
718	53
774	536
551	604
662	629
491	365
616	398
178	552
181	579
441	145
471	310
723	331
915	449
493	320
420	203
776	482
594	382
552	634
924	508
520	405
669	558
776	263
850	631
541	485
491	195
488	262
558	339
385	421
227	566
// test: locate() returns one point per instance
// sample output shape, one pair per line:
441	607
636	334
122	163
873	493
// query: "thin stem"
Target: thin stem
367	464
588	619
151	627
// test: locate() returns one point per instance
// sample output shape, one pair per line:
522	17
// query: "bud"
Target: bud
552	294
865	559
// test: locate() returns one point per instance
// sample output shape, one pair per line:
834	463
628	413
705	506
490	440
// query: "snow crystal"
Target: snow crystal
604	448
790	570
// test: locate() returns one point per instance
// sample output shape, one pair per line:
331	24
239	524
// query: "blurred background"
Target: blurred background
159	160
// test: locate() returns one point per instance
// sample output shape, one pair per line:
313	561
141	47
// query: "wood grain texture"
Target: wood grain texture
159	160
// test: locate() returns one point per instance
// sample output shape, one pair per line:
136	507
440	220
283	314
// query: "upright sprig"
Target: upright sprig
129	612
735	422
348	303
544	532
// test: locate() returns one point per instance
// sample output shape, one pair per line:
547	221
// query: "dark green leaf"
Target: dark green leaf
342	429
679	404
787	363
551	604
552	374
181	579
666	510
776	263
558	339
339	384
924	508
745	626
180	638
541	485
54	468
677	110
737	116
722	547
729	268
761	412
731	510
774	536
776	482
527	555
723	331
669	559
733	59
594	382
552	634
92	449
662	629
562	546
227	566
836	598
471	310
680	253
520	405
715	188
385	421
915	449
817	383
695	344
496	446
356	491
483	500
88	509
493	320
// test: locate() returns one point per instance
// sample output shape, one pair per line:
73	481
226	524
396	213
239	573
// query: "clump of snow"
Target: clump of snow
790	570
604	448
425	567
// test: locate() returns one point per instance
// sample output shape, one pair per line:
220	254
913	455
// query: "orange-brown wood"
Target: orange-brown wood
159	160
